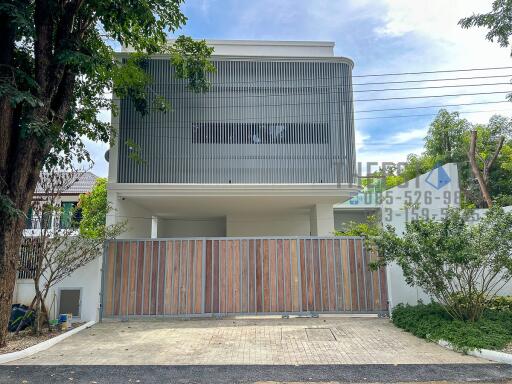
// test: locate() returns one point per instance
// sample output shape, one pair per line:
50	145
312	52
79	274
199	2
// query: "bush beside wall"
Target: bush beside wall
430	321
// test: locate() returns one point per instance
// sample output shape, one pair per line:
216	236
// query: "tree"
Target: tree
498	22
449	139
94	206
445	138
462	266
56	62
58	248
487	163
499	25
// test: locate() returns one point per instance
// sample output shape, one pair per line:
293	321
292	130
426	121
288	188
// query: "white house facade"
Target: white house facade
266	151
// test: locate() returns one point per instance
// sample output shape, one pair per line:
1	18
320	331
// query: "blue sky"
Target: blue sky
380	36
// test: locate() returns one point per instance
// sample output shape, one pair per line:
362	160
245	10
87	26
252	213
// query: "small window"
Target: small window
69	301
70	215
260	133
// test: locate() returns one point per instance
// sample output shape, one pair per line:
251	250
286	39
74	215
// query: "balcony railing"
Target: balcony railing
53	222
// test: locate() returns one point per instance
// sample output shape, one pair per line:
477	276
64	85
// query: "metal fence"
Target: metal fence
263	121
28	257
219	276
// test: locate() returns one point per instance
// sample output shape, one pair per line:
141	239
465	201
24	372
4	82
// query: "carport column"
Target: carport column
322	220
154	227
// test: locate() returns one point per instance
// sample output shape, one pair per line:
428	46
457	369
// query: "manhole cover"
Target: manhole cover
320	334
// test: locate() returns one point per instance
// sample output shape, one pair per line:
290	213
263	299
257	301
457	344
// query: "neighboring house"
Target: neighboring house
266	151
68	295
69	217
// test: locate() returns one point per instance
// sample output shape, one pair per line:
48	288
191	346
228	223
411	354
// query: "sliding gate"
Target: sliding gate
220	276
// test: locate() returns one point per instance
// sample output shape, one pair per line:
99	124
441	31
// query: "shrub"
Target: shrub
500	303
492	331
94	207
463	266
366	230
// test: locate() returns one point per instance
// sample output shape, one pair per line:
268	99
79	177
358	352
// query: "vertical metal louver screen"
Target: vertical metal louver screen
262	122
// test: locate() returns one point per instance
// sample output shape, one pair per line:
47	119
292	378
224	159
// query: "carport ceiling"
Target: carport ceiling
180	206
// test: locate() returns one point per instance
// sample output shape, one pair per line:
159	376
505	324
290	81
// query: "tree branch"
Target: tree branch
494	157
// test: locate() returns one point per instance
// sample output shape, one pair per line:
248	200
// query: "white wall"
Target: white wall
215	227
87	278
262	48
138	218
432	203
429	201
322	220
288	224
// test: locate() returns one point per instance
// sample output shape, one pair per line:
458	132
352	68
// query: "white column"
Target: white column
154	227
322	220
112	200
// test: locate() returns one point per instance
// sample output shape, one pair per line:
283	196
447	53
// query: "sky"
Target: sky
380	36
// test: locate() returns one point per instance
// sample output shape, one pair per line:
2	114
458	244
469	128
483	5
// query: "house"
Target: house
266	151
66	193
76	294
228	197
231	198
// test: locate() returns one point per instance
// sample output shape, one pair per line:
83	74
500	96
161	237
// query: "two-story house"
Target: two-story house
266	151
76	294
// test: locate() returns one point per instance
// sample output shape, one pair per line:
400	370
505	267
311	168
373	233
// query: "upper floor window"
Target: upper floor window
41	218
70	215
260	133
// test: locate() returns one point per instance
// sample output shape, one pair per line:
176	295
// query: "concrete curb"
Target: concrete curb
500	357
7	357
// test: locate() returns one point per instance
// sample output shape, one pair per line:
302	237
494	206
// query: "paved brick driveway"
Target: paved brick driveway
271	341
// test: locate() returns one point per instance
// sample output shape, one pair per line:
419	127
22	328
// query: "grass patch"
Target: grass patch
431	322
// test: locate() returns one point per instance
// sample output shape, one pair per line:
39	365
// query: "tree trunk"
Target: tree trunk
41	315
10	241
476	171
16	190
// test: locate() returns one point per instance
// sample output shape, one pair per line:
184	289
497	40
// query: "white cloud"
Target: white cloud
396	150
434	18
360	139
385	154
436	21
204	5
406	136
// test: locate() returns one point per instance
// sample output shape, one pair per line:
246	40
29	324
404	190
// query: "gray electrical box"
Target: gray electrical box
69	301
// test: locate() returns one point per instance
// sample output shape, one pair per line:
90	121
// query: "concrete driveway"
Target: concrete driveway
299	341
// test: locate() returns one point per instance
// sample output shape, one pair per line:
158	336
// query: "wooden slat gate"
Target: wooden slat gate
219	276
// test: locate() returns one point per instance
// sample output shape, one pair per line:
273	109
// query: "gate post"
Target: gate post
299	274
203	278
102	287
